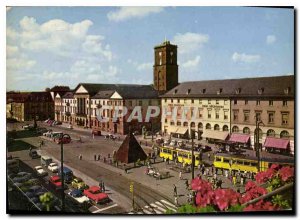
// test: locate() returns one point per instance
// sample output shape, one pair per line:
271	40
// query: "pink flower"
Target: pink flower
286	173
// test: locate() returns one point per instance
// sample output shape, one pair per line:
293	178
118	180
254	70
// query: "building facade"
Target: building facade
233	107
30	105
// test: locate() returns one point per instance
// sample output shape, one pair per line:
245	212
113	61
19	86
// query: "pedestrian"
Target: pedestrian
95	157
226	173
208	155
93	136
242	180
191	197
100	185
175	190
176	200
103	187
234	180
187	184
180	175
168	160
99	157
104	159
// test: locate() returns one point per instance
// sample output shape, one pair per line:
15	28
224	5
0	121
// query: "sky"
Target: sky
48	46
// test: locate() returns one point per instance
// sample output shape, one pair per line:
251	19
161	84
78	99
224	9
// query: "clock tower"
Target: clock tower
165	68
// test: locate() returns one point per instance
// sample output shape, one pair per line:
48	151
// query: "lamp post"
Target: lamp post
192	136
62	171
258	122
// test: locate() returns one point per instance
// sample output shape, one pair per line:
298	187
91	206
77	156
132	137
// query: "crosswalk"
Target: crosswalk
158	207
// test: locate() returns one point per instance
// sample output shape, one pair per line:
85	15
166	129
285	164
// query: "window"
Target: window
218	159
185	101
216	127
225	102
172	122
178	100
225	115
226	160
130	103
200	101
165	100
235	115
235	102
217	102
270	133
171	100
208	126
209	101
209	114
140	103
246	130
225	128
203	91
271	117
246	116
192	101
284	103
271	103
246	102
235	129
285	118
166	120
257	102
150	102
178	123
217	115
284	134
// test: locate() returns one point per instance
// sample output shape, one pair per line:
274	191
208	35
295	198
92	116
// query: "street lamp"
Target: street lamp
62	170
192	136
258	122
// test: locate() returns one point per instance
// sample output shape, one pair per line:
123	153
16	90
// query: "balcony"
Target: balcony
81	115
99	106
68	114
67	103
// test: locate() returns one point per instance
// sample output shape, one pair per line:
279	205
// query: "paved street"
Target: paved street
150	195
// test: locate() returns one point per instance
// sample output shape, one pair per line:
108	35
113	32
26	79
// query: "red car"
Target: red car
55	181
94	193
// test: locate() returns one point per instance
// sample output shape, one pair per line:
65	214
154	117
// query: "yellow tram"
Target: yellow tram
250	164
181	155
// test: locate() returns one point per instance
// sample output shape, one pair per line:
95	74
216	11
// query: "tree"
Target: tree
47	200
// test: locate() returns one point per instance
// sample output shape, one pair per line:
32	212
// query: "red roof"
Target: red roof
276	143
240	138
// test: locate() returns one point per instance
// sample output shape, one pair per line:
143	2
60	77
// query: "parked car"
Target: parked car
28	127
70	126
95	194
40	171
68	174
45	160
22	177
55	182
33	154
53	167
78	183
57	123
41	131
78	196
35	191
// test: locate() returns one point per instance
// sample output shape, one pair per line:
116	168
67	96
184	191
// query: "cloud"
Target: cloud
144	66
271	39
191	63
189	42
126	13
11	50
8	8
246	58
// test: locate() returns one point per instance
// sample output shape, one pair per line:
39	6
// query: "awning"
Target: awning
181	130
240	138
276	143
172	129
220	135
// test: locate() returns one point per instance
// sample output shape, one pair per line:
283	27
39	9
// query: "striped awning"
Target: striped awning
219	135
239	138
276	143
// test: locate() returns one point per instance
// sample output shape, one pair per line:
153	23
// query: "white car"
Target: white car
53	167
40	171
47	134
78	196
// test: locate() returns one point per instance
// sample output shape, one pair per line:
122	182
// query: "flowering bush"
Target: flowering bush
230	200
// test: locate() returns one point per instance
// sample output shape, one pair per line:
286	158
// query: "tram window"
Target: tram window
226	160
247	163
233	161
253	164
197	158
239	162
218	159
